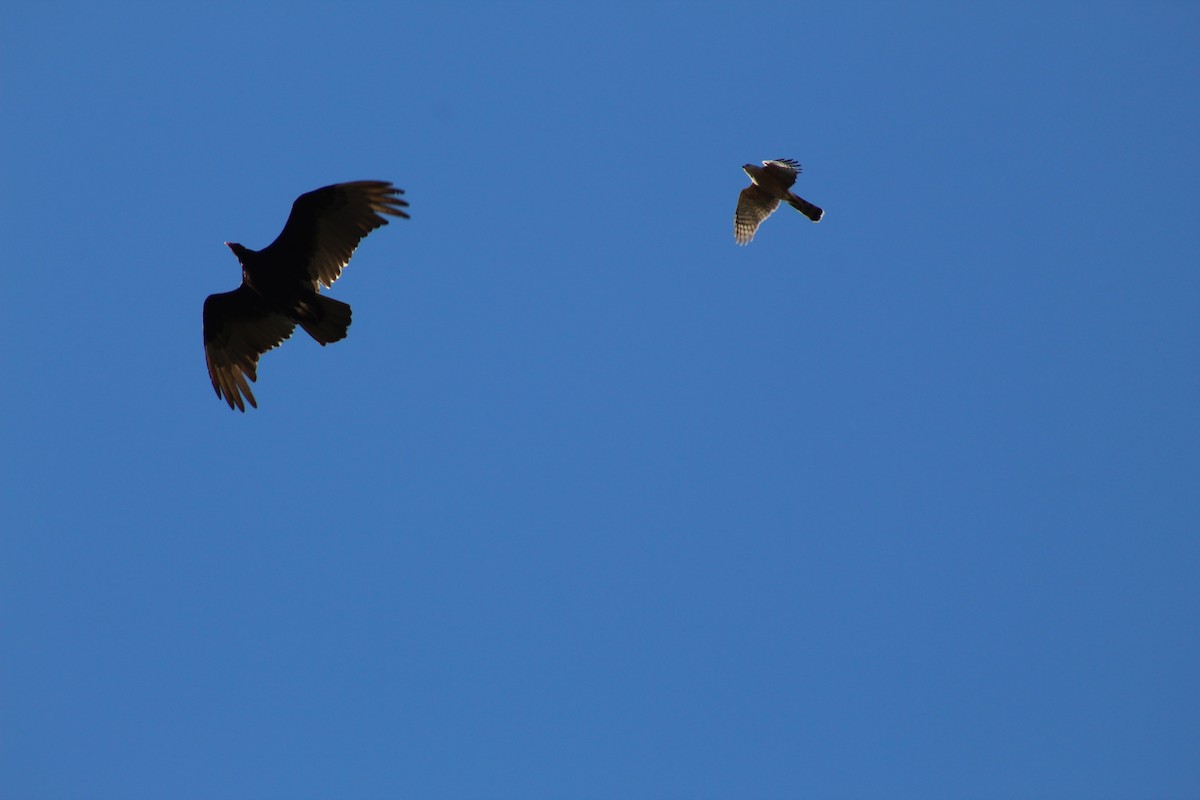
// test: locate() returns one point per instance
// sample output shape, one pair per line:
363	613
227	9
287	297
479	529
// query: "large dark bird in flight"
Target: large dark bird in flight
281	283
769	184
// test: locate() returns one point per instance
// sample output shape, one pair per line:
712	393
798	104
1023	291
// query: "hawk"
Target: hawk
769	184
281	283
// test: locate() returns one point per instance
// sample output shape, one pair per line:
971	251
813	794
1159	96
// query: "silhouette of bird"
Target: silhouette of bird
769	184
281	283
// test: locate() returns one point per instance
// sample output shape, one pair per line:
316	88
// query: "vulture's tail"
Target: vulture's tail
323	318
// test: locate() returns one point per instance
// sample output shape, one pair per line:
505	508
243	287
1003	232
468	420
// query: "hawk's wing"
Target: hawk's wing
784	170
754	205
238	329
327	224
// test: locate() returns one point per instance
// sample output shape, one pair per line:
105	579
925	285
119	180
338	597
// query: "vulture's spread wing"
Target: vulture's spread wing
327	224
238	329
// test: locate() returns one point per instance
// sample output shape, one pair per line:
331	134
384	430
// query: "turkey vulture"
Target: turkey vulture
280	283
769	184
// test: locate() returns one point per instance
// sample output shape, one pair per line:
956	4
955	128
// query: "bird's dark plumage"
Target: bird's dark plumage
281	283
769	185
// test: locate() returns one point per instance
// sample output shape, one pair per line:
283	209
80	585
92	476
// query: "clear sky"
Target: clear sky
593	502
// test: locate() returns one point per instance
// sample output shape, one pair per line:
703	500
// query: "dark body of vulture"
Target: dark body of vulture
281	283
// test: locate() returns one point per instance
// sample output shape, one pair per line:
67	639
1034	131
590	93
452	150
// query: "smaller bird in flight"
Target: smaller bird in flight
769	184
281	283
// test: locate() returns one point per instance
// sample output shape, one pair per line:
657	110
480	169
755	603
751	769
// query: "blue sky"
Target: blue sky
593	502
